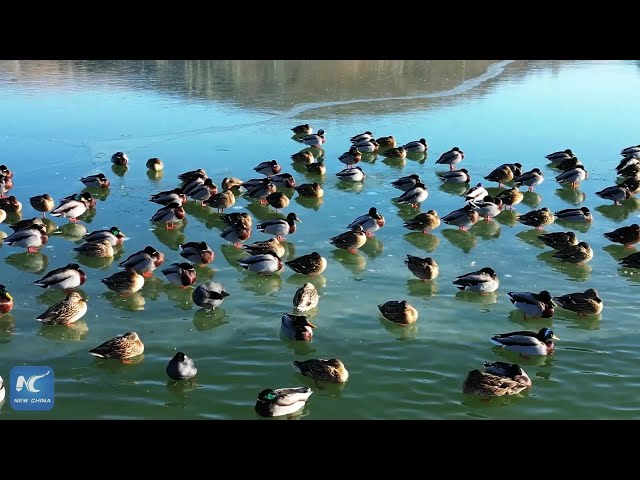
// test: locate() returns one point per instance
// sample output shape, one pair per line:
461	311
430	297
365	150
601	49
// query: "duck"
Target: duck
126	282
283	180
180	274
268	168
630	150
482	281
387	142
631	261
416	146
172	213
398	152
423	222
42	203
314	140
627	236
306	298
516	168
455	176
3	215
189	176
632	184
580	253
236	235
351	157
362	137
530	179
122	347
261	191
31	239
414	196
66	311
366	146
6	300
2	392
625	162
71	208
399	311
510	197
556	156
526	342
313	190
631	170
181	367
144	262
154	164
452	157
119	158
96	181
304	156
302	129
197	252
582	303
351	240
262	247
537	218
559	240
296	327
4	171
176	195
370	222
6	184
423	268
500	175
317	168
264	263
10	204
311	264
64	278
203	191
487	208
192	184
498	380
209	295
100	249
407	182
617	193
113	234
322	370
537	305
567	164
463	218
574	214
280	227
237	220
27	224
475	192
573	176
281	401
229	183
355	174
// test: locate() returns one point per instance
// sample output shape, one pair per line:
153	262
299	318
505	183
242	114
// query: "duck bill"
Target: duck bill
298	220
555	338
310	324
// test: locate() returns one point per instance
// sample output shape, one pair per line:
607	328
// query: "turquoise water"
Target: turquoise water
63	120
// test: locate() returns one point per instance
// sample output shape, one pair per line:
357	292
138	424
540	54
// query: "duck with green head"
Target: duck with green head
281	401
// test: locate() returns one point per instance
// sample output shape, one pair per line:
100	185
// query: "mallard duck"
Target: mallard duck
100	249
567	164
296	327
31	238
119	158
6	184
197	252
72	208
537	218
580	253
362	137
3	215
398	152
154	164
261	191
351	240
625	162
387	142
268	168
463	218
280	227
264	263
453	156
559	240
6	300
487	208
222	200
416	146
144	262
414	196
500	175
5	171
573	176
370	222
354	174
283	180
281	401
516	168
630	150
312	264
632	184
302	129
527	342
617	193
181	367
306	298
180	274
278	200
314	140
317	168
203	191
455	176
236	235
423	268
530	179
26	224
304	156
510	197
498	380
10	204
187	177
42	203
423	222
574	214
351	157
406	183
192	184
271	245
398	311
310	190
229	183
631	170
533	304
169	196
237	220
113	234
556	156
86	196
64	278
96	181
66	311
209	295
586	303
121	347
322	370
127	282
482	281
172	213
631	261
366	146
627	236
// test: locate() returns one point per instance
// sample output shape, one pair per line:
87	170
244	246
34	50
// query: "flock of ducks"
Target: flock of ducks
265	257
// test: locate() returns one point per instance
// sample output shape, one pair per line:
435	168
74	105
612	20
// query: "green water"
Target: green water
63	120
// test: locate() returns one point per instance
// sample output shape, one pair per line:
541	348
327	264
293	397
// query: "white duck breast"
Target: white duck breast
366	146
456	176
530	179
573	175
70	209
486	209
528	303
463	217
168	214
351	174
165	198
369	222
453	156
29	238
525	343
416	146
64	278
140	262
314	139
264	264
482	281
476	192
416	195
574	214
362	137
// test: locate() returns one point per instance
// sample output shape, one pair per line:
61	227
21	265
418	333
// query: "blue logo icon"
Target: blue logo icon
32	388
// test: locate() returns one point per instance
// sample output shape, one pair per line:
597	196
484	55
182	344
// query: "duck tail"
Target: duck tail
297	366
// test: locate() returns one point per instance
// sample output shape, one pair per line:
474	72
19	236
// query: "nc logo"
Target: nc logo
31	383
32	388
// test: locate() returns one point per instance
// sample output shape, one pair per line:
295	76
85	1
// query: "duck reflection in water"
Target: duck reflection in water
174	237
421	288
463	239
355	262
578	272
400	332
312	203
531	237
531	199
232	255
204	320
75	332
262	285
570	195
179	295
419	157
428	242
507	218
28	262
130	303
71	231
486	230
373	247
98	193
318	281
473	297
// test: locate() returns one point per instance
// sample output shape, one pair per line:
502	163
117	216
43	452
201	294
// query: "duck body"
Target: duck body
322	370
121	347
119	158
559	240
314	140
29	238
498	380
304	129
574	214
451	158
463	218
197	252
416	146
209	295
65	312
221	201
181	367
176	195
6	300
406	183
530	179
154	164
414	196
351	240
537	218
423	222
169	215
582	303
455	176
96	181
538	305
64	278
144	262
180	274
527	342
306	298
560	155
71	208
573	176
262	247
627	235
42	203
482	281
351	157
616	193
510	197
113	235
296	327
313	190
399	311
280	227
312	264
423	268
371	222
355	174
126	282
264	264
99	249
281	401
